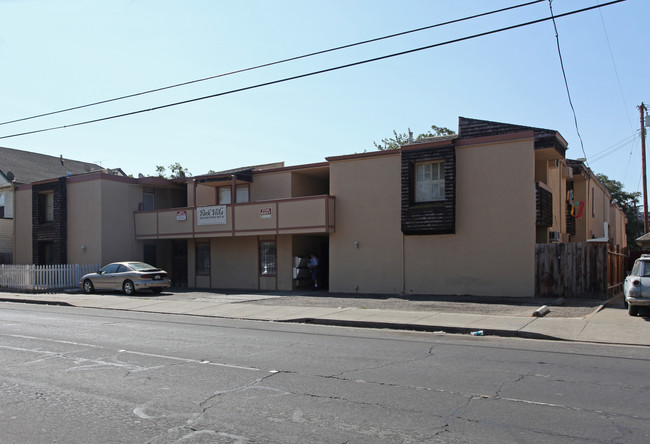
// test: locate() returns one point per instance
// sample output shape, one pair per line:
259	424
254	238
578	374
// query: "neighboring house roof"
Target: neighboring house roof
27	167
244	173
474	128
645	239
544	138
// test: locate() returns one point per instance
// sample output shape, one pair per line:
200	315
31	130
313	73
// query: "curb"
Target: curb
37	301
423	328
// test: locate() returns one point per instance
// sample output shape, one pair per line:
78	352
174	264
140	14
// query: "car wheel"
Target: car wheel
88	286
157	290
632	310
625	304
129	288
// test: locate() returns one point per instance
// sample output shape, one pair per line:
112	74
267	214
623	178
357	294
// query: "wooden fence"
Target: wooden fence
578	270
43	278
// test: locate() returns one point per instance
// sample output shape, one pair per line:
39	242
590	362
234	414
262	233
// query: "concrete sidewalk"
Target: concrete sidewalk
607	324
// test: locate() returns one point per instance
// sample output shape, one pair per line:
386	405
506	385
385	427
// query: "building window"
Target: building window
2	205
224	196
268	258
429	181
46	207
593	202
241	195
148	203
203	258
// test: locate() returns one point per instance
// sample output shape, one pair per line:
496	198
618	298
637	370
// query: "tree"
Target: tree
400	139
176	171
629	203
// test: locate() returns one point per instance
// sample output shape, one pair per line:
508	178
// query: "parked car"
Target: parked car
128	277
636	287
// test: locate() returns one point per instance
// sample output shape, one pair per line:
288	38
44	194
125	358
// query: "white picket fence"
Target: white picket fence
43	278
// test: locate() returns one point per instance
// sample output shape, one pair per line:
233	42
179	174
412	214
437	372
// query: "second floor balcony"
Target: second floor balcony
301	215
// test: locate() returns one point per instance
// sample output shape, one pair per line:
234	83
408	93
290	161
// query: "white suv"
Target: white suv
637	285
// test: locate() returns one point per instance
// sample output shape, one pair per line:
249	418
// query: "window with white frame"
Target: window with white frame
429	181
268	258
148	201
224	196
2	204
241	193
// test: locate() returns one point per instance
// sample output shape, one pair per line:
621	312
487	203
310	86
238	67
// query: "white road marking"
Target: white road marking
152	355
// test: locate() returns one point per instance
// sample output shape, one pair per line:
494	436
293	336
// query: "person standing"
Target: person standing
314	267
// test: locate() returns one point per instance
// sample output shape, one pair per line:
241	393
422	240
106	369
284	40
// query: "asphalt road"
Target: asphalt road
81	375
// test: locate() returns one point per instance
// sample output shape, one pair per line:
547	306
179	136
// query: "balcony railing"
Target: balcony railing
300	215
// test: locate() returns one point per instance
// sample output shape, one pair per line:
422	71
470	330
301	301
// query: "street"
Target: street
85	375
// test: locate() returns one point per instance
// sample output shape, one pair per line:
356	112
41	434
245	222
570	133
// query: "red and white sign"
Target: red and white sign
181	215
265	213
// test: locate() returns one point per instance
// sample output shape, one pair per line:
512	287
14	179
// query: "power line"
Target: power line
618	79
612	149
313	73
566	83
265	65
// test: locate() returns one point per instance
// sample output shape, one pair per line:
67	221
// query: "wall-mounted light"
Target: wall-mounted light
356	244
83	248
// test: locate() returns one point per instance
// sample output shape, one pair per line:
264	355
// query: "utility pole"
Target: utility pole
643	108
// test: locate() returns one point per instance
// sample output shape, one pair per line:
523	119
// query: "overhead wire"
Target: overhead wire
313	73
566	83
618	79
278	62
614	148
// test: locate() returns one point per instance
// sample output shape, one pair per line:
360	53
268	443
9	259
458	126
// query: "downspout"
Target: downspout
403	267
13	197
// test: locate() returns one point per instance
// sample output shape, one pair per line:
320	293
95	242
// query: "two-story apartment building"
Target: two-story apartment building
18	167
453	215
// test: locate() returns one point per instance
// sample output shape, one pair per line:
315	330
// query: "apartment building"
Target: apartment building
452	215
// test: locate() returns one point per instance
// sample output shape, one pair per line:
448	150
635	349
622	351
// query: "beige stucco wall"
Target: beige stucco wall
617	227
274	185
205	195
23	222
558	185
491	254
234	262
100	218
580	186
85	220
304	185
6	236
367	192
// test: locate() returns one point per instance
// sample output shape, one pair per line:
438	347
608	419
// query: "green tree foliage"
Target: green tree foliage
399	139
629	203
176	171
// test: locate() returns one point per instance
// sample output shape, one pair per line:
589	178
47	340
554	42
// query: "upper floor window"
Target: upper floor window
224	196
46	207
148	203
241	195
2	205
429	181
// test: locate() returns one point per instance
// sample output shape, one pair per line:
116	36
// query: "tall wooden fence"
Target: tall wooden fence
43	278
578	270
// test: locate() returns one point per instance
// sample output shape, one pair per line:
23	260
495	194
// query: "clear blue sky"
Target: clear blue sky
61	53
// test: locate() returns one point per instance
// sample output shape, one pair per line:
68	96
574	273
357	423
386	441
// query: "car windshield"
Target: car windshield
141	266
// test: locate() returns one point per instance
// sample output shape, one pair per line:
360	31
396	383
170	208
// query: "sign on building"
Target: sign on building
214	215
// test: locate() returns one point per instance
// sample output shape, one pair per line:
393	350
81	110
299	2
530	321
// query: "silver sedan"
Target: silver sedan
128	277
